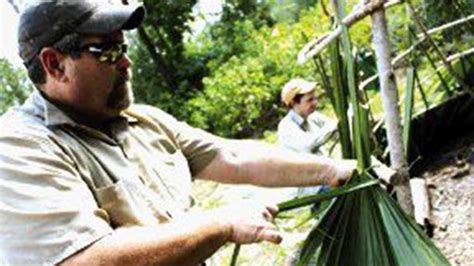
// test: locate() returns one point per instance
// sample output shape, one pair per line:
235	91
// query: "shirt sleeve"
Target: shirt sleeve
198	146
47	212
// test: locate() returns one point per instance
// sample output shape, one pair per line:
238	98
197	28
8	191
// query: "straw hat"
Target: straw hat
294	87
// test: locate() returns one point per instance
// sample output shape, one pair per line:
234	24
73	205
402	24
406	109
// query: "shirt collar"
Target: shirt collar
295	117
41	107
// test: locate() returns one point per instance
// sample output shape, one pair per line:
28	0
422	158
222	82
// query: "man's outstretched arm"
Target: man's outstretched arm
253	162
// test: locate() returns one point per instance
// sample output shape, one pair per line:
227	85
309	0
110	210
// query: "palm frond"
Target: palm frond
367	227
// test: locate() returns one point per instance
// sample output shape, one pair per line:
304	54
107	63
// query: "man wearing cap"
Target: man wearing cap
87	177
303	129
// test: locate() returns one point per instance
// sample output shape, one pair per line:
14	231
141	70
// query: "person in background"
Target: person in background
303	129
87	177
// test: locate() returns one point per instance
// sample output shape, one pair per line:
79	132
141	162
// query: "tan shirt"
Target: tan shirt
63	186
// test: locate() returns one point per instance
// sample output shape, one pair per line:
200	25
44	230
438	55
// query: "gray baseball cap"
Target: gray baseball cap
45	22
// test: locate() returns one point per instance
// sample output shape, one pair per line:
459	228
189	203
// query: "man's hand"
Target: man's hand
250	222
344	171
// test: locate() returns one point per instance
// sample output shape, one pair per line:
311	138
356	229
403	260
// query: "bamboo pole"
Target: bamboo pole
399	58
448	25
390	100
396	62
448	66
315	46
438	73
460	55
451	58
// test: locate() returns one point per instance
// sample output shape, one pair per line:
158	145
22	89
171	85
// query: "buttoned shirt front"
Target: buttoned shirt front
63	185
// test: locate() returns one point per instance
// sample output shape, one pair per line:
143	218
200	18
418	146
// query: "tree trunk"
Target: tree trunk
158	60
390	101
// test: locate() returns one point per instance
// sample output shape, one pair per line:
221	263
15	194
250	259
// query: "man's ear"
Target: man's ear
53	64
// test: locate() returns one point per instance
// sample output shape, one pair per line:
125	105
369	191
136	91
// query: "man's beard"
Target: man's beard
121	96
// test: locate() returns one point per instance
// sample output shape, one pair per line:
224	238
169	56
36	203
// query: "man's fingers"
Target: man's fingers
273	209
253	224
267	232
267	216
271	235
345	170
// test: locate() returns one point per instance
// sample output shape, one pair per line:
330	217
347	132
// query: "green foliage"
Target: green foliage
288	11
228	79
228	37
14	85
241	96
230	107
249	62
164	75
438	12
169	68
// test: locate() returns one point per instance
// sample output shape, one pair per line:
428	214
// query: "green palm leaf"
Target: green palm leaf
367	227
311	199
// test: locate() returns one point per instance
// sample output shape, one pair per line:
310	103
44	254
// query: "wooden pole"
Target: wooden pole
391	107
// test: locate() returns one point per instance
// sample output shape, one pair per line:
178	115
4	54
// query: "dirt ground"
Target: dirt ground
450	179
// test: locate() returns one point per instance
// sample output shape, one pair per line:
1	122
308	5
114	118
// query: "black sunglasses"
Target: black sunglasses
107	52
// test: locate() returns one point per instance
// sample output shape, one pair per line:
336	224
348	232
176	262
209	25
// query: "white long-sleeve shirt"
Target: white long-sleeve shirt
294	135
297	135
